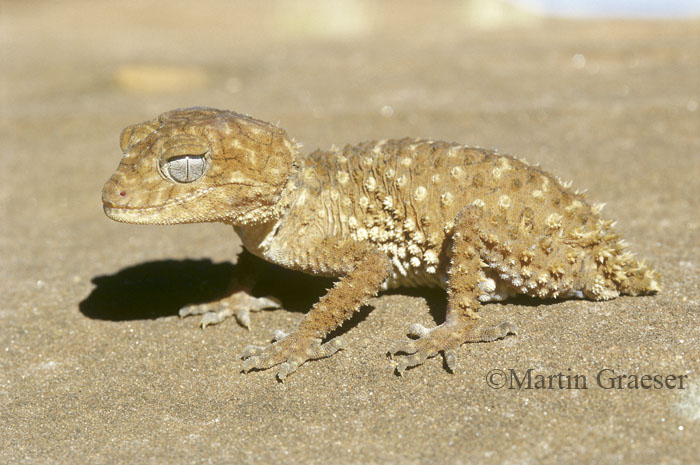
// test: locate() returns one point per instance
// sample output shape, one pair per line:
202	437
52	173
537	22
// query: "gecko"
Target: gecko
376	215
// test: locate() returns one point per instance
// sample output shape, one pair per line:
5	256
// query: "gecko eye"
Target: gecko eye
186	168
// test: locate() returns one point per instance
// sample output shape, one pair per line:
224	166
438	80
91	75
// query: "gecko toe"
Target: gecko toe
212	313
252	351
243	317
451	360
254	305
288	368
197	309
257	362
403	347
214	318
278	335
491	333
409	361
267	302
418	330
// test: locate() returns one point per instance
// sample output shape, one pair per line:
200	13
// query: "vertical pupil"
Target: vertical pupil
186	168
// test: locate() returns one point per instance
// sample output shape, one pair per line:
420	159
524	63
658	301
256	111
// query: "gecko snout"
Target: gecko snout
114	195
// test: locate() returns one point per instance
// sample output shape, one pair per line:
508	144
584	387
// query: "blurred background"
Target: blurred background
612	8
604	93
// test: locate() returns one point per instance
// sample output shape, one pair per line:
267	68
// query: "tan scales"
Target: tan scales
376	215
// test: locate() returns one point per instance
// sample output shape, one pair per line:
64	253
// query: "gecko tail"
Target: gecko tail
641	279
618	272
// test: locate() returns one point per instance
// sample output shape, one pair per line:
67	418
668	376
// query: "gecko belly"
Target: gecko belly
495	289
411	278
492	287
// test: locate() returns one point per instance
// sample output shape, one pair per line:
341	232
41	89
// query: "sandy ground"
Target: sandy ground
96	367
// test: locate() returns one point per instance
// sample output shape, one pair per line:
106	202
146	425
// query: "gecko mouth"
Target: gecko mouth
161	214
126	215
145	208
112	206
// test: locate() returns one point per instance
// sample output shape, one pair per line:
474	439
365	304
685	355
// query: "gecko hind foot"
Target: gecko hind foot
289	352
239	305
445	338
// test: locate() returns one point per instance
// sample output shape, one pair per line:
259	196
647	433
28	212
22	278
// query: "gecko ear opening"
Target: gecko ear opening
131	135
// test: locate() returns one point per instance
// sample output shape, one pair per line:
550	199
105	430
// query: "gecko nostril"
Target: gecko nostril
122	193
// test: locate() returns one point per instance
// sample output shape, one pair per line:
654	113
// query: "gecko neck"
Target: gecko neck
256	237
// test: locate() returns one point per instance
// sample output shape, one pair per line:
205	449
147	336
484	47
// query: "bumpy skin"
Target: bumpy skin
376	215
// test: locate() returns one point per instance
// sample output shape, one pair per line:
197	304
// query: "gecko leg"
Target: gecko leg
240	302
369	270
462	322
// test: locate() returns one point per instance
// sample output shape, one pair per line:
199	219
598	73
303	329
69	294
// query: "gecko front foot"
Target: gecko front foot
239	304
288	351
445	338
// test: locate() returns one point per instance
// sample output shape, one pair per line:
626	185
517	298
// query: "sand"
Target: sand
95	365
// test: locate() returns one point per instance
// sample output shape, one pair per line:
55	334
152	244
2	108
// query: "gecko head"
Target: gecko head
199	165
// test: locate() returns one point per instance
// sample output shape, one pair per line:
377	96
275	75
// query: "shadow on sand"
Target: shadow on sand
160	288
